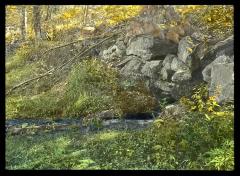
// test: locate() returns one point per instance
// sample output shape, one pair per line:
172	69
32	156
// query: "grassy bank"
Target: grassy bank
167	144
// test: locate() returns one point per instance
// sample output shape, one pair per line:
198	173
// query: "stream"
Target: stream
16	126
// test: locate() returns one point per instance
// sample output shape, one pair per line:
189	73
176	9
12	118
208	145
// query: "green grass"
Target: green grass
45	105
167	144
15	76
72	150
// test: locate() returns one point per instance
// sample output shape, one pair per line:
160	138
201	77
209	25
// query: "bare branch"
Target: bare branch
54	70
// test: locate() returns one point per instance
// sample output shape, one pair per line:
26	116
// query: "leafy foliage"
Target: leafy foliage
200	101
134	98
113	14
221	158
210	19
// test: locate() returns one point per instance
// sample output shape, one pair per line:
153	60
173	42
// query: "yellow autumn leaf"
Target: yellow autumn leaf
189	50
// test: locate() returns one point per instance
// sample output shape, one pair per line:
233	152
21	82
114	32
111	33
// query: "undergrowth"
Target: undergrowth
194	142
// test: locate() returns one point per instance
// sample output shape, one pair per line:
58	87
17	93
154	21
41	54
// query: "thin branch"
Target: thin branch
84	52
76	41
54	70
29	80
61	46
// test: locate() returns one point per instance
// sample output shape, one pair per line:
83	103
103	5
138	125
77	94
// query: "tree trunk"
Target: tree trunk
85	13
37	22
23	22
48	13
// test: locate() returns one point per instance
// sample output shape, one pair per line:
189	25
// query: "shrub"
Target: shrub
93	77
90	87
201	102
221	158
205	127
93	86
87	104
134	97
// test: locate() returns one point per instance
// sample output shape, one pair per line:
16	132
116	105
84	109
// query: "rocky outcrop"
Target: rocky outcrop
148	47
132	68
186	49
171	70
208	69
220	76
173	111
151	69
224	47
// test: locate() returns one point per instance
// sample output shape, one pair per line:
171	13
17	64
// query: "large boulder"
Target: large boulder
208	69
132	68
222	82
151	69
219	75
181	76
224	47
113	54
186	49
149	48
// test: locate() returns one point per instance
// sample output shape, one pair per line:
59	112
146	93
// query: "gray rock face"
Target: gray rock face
132	68
170	70
173	111
207	70
167	72
168	61
140	46
177	64
222	78
182	89
165	86
151	69
186	49
149	48
224	47
173	76
181	76
111	52
198	36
